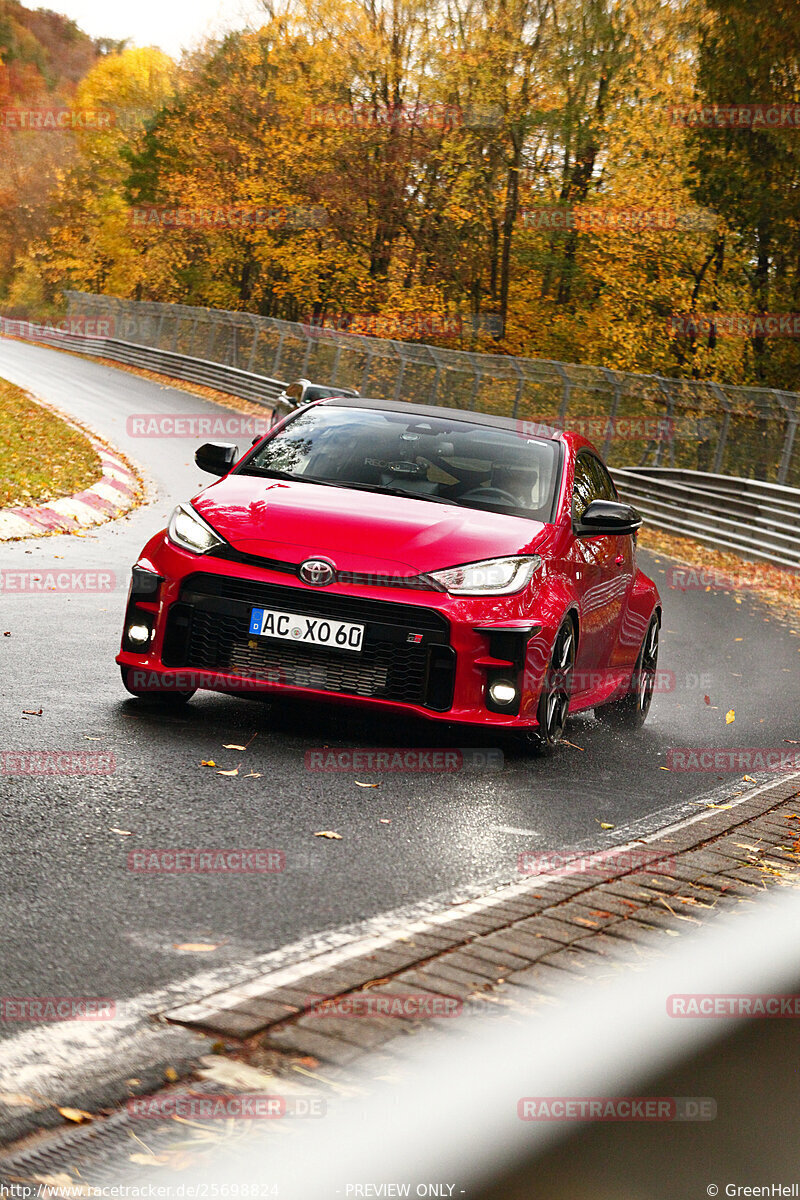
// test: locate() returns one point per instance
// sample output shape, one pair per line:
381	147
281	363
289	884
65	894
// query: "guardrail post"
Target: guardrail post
788	445
398	385
617	386
659	454
520	388
276	365
367	369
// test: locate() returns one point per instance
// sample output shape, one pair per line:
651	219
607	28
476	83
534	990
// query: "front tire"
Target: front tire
164	699
553	708
631	711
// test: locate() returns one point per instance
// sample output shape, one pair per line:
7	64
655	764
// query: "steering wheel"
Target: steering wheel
490	493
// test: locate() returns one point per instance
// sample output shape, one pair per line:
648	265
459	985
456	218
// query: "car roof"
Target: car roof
538	429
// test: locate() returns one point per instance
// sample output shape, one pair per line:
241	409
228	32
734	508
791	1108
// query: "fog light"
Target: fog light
502	692
138	634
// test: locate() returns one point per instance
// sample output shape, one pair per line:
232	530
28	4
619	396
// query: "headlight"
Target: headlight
189	531
494	577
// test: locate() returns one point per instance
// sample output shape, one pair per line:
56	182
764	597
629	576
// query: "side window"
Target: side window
603	481
585	488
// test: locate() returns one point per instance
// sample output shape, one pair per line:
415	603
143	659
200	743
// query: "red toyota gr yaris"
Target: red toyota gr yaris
427	560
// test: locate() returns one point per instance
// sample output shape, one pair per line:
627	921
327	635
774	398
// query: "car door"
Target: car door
603	571
623	564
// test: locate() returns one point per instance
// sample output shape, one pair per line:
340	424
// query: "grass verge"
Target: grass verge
43	458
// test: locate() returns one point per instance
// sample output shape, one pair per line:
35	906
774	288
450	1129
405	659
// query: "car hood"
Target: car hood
358	530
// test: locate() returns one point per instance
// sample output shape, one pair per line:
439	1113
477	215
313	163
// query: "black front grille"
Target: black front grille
208	629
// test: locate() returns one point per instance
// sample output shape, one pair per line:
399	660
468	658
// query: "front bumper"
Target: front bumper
423	652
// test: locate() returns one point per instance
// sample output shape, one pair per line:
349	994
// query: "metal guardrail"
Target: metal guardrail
258	388
754	518
742	431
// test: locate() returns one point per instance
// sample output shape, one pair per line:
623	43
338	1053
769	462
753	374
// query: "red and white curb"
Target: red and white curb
117	491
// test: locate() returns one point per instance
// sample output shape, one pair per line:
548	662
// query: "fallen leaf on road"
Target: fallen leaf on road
748	779
233	1074
17	1100
32	712
604	824
385	820
730	716
235	771
122	832
600	912
574	747
719	806
358	783
197	947
586	921
233	746
76	1114
738	639
253	775
7	633
88	738
328	833
171	1074
208	762
707	699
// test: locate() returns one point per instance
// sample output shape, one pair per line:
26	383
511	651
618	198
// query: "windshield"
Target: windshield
431	458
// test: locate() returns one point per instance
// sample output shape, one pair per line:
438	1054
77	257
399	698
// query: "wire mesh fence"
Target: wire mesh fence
634	419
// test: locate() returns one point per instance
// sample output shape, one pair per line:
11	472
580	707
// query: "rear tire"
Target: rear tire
631	711
165	699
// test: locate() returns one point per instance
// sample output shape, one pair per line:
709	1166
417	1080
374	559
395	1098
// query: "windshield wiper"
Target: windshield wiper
269	473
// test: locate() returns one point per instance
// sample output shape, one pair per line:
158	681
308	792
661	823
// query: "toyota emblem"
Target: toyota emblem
317	572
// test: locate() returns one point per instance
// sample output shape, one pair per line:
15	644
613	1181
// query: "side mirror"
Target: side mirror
216	457
608	517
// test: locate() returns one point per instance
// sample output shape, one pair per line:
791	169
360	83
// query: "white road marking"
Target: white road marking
57	1060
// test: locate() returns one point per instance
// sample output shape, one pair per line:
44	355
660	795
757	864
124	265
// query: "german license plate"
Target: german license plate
306	631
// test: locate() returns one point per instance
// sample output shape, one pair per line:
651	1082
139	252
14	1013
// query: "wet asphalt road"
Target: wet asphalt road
75	921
